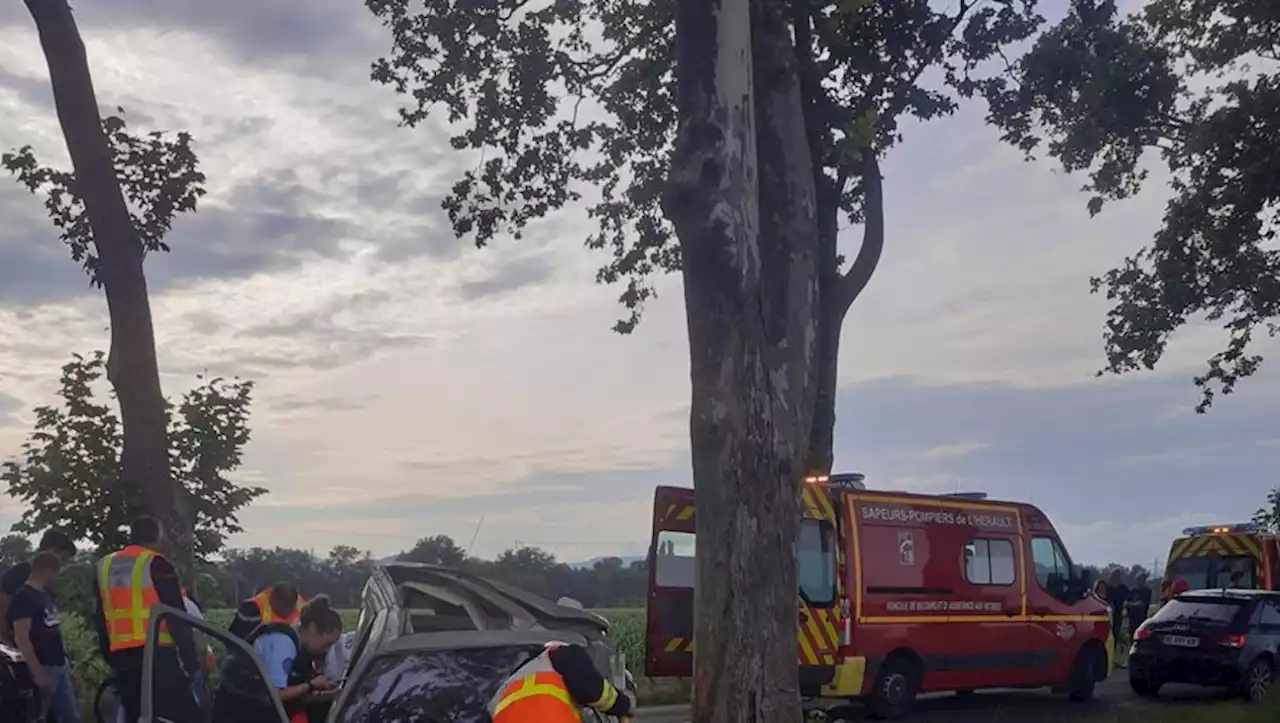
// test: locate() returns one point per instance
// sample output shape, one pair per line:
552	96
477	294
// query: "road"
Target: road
1012	706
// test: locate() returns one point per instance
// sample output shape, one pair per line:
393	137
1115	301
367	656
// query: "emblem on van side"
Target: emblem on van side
906	548
1066	630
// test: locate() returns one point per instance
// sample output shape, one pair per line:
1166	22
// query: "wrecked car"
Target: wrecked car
433	645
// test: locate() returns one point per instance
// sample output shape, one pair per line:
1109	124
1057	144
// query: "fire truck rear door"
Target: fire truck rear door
669	614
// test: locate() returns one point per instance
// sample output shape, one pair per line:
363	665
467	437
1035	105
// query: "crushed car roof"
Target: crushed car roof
498	593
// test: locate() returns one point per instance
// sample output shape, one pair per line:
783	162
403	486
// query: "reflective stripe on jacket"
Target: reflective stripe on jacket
128	594
535	693
268	613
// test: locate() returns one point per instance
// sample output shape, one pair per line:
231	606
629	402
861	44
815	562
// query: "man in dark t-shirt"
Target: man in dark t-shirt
38	634
53	542
1139	603
1117	600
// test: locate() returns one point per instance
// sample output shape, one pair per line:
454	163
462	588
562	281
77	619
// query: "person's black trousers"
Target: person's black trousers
171	695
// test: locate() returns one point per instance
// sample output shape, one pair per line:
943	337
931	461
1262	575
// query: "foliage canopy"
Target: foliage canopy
563	95
159	177
1196	85
68	471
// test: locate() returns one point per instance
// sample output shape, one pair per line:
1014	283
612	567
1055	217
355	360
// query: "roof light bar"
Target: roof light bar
851	480
1224	529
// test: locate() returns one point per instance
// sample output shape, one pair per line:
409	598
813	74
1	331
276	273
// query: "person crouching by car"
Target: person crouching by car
279	603
292	658
550	687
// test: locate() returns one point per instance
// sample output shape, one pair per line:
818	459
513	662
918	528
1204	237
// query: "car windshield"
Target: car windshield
1214	611
1209	573
432	686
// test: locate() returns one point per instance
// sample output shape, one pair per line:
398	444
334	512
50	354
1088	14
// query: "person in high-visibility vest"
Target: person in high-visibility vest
129	583
554	685
292	658
279	603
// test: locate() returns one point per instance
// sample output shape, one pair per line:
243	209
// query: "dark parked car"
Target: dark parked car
1225	638
433	644
19	696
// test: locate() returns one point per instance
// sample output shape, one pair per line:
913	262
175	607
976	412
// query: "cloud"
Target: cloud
1104	456
524	272
955	450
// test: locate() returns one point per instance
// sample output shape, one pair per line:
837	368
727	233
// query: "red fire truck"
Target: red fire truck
902	594
1241	555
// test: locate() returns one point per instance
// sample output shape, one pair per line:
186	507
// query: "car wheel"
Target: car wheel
1084	676
897	683
1257	680
1144	686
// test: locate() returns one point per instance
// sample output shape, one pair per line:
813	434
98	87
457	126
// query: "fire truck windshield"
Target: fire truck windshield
1205	573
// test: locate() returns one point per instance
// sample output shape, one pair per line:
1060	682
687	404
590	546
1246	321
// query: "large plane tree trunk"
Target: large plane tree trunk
131	366
741	198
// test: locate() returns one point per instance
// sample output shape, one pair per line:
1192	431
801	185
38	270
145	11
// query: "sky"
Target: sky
408	385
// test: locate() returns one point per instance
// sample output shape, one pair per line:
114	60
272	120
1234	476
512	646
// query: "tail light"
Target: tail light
846	625
1234	641
1141	633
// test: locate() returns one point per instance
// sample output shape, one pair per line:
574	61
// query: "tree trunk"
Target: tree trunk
837	293
741	199
131	364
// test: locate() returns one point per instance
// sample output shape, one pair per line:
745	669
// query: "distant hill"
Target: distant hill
626	561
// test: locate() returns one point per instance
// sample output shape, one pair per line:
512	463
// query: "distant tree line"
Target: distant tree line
341	574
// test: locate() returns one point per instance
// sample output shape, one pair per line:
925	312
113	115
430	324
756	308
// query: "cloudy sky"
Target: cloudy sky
410	386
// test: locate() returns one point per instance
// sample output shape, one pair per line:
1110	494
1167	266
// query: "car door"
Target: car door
370	638
220	645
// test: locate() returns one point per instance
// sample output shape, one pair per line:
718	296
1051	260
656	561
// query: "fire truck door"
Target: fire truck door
669	614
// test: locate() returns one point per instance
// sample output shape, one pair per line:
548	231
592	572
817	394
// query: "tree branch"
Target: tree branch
855	280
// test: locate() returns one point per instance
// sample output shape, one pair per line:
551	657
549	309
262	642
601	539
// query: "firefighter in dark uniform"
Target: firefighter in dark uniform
129	583
293	658
279	603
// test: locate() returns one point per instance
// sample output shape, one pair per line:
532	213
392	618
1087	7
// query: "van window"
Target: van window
816	563
1052	568
673	559
989	562
1206	573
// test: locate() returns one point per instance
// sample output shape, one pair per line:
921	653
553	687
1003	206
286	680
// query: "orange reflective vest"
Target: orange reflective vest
128	594
535	693
268	613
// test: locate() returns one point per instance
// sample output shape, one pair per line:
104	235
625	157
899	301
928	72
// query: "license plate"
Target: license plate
1181	641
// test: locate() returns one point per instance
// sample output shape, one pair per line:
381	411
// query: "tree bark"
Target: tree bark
741	198
837	293
131	365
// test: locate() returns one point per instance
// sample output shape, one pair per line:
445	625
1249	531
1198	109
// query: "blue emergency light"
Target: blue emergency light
1225	529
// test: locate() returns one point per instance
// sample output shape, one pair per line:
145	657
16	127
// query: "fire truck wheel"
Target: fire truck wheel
1084	675
896	685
